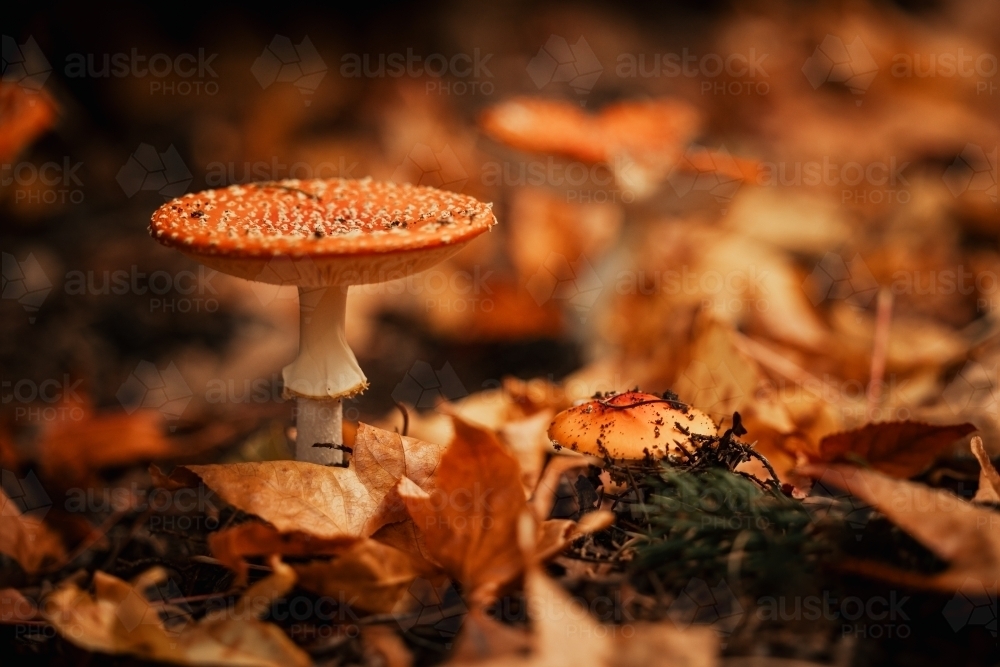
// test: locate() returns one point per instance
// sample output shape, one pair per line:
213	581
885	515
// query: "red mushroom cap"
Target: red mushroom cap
345	231
632	426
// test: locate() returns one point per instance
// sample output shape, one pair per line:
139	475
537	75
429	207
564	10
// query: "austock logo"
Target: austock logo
973	170
558	61
439	607
26	493
835	279
438	169
716	390
702	604
283	62
974	605
161	606
25	282
24	65
828	497
575	283
424	388
151	388
147	169
836	62
714	172
974	390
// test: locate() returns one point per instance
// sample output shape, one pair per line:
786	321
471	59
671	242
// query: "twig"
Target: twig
406	417
880	350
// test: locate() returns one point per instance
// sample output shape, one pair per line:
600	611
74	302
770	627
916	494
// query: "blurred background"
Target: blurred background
784	209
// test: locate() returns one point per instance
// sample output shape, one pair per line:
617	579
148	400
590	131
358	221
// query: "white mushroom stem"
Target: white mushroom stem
324	372
318	422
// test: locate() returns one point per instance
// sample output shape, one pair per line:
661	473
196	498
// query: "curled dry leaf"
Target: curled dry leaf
959	532
118	619
26	539
469	520
370	575
989	479
323	501
898	449
232	546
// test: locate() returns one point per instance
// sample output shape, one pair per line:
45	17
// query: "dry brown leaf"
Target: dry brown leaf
527	439
370	576
469	519
323	501
70	452
959	532
15	608
232	546
564	634
898	449
554	535
388	647
27	540
118	619
989	479
405	537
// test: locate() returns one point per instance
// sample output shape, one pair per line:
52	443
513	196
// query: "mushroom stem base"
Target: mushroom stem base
319	422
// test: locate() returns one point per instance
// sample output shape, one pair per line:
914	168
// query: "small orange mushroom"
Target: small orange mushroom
633	426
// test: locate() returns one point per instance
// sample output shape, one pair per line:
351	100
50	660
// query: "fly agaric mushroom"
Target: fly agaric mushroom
321	235
633	426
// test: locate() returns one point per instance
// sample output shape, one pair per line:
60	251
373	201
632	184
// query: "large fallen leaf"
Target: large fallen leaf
323	501
26	539
898	449
565	634
470	517
119	619
956	531
370	576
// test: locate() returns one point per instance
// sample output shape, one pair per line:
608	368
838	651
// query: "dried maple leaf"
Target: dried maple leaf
119	619
898	449
989	479
323	501
370	576
469	520
233	545
27	540
959	532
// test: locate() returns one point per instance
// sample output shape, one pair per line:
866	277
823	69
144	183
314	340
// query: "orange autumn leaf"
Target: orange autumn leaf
469	519
118	619
326	502
898	449
26	539
74	449
370	575
24	116
232	546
